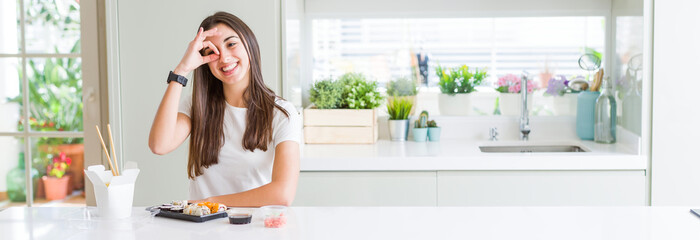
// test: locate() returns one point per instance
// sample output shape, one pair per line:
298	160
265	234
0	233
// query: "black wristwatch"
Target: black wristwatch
177	78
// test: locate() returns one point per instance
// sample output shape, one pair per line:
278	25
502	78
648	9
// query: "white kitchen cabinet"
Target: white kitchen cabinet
366	189
541	188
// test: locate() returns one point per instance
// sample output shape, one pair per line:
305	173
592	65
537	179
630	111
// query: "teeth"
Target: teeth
230	67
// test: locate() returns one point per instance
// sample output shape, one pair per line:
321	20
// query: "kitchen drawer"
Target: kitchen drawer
366	189
541	188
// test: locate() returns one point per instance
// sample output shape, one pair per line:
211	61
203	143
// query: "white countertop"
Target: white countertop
464	155
383	223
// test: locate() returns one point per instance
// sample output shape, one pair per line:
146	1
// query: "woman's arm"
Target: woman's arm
282	188
171	128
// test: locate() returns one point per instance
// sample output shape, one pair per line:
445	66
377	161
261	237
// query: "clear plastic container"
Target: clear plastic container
275	216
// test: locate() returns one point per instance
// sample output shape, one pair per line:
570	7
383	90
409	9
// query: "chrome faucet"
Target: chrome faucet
524	114
493	134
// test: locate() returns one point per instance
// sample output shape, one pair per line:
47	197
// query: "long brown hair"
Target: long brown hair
209	104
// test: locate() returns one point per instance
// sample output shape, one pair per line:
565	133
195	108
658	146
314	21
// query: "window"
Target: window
382	49
41	131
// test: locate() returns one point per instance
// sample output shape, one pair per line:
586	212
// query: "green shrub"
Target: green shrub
326	94
459	79
358	93
402	86
399	108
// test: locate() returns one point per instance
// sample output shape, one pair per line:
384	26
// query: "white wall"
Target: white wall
675	167
153	36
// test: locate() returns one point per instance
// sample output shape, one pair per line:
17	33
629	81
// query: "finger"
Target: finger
211	46
199	33
210	58
209	33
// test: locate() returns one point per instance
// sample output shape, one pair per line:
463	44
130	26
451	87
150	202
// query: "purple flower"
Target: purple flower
557	86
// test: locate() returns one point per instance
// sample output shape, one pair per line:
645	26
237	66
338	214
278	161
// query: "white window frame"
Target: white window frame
90	78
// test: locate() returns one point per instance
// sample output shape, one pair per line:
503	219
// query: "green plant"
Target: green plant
399	108
447	80
326	94
432	124
55	97
422	121
55	89
358	92
459	79
402	86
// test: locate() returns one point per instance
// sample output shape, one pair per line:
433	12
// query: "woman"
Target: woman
244	143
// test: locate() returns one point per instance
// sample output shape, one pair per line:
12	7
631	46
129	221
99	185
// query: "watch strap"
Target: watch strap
177	78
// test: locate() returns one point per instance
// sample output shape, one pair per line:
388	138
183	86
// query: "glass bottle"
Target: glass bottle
631	118
16	187
605	114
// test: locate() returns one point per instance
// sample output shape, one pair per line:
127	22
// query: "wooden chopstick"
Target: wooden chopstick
114	154
106	152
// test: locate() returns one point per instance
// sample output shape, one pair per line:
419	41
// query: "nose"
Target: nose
225	57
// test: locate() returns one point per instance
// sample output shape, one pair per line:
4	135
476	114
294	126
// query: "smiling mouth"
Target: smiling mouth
229	68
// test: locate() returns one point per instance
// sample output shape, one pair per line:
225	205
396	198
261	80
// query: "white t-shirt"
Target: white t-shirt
239	170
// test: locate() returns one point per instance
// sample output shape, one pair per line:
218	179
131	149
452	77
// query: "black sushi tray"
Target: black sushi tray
186	217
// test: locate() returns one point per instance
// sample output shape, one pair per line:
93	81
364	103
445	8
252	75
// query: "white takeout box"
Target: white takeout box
113	201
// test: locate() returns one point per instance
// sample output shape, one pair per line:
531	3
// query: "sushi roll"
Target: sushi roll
179	203
176	209
196	210
221	208
213	207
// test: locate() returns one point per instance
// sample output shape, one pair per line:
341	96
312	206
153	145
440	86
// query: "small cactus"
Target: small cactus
432	124
423	119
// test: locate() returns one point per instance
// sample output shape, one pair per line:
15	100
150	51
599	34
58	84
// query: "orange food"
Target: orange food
213	207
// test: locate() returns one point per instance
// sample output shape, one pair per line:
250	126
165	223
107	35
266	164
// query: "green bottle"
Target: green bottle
16	187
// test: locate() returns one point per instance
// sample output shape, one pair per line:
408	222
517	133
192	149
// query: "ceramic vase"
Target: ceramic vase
434	134
420	134
454	105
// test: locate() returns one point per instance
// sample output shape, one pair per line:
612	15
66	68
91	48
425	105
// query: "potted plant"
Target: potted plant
402	87
342	111
455	86
420	128
433	131
510	100
399	109
56	181
564	99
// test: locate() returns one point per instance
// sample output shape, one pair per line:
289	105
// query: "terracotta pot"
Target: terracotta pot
76	152
55	188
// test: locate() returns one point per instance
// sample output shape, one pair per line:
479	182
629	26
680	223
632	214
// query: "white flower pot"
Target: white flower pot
565	105
455	105
510	103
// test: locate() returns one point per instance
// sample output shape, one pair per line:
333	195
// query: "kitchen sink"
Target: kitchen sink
532	149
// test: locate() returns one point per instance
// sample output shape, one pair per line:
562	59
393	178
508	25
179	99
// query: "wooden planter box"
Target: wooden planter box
340	125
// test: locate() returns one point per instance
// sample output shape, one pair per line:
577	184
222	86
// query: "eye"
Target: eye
231	44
